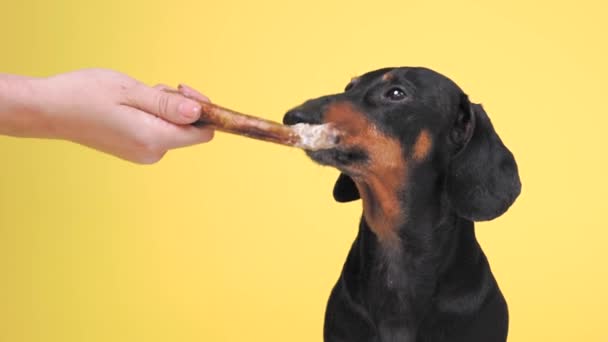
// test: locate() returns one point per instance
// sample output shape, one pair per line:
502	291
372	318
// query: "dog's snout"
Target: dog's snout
296	116
310	112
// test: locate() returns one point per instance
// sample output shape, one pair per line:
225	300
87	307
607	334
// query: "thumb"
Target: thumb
168	105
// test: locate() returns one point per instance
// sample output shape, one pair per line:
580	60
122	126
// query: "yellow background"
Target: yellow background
239	240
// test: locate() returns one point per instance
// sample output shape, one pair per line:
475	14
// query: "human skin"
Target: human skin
102	109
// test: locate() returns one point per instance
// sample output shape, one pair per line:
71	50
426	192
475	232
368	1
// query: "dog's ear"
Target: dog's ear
345	189
483	180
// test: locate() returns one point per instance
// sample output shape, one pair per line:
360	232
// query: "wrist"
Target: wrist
44	112
22	108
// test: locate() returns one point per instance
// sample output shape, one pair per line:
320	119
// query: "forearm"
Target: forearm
21	107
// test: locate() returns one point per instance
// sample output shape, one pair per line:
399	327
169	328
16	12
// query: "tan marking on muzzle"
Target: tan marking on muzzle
382	177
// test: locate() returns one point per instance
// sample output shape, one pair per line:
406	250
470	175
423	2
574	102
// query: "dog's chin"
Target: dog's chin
342	159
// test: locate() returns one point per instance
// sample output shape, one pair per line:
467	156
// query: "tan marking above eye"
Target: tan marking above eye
423	145
388	76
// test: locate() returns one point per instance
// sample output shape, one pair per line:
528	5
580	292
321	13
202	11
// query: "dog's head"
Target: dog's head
412	125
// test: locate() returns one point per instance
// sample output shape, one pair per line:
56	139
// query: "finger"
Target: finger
181	136
167	105
147	138
192	93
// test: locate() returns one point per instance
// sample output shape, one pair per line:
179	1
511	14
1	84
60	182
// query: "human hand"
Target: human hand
114	113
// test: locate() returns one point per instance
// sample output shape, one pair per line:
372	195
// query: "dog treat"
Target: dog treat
305	136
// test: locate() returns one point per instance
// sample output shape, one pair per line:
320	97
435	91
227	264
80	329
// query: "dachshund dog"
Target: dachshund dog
426	163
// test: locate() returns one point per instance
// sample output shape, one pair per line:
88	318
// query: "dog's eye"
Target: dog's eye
395	94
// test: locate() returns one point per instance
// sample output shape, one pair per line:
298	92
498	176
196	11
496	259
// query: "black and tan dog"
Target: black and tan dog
426	163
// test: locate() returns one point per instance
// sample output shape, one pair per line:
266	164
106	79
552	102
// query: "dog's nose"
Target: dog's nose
295	116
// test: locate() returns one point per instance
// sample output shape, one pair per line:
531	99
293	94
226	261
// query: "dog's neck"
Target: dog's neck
394	209
404	234
406	225
397	287
382	210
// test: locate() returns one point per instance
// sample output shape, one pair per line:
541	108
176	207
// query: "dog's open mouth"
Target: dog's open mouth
334	145
316	137
339	157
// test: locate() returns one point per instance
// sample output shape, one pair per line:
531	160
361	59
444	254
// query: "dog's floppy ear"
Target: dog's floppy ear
345	189
483	180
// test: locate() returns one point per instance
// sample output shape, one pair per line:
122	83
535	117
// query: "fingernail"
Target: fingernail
189	110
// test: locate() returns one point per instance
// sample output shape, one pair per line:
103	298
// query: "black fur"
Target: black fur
437	284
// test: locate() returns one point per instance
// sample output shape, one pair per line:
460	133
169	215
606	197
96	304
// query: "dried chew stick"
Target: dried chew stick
305	136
